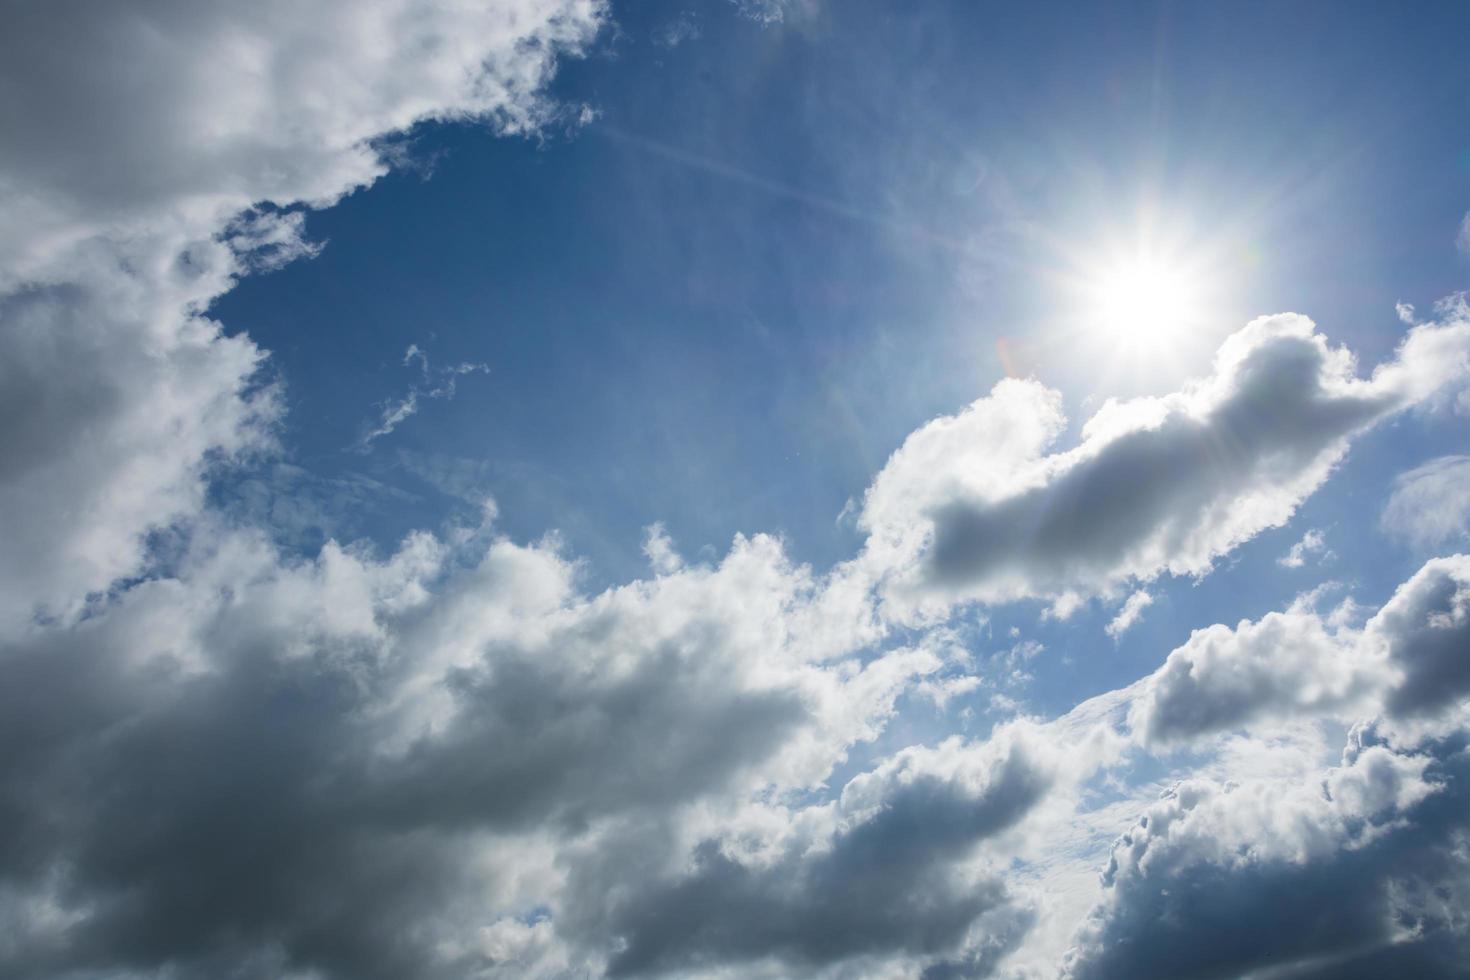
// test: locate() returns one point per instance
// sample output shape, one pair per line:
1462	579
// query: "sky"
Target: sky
743	488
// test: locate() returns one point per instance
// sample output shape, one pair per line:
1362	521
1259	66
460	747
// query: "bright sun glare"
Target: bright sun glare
1142	298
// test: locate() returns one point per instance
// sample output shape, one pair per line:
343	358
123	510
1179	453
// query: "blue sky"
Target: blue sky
622	469
778	250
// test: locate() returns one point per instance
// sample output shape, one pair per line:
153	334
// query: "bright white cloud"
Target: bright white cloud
1408	660
1131	612
143	118
1313	543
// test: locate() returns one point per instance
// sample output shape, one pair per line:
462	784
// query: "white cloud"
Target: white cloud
774	11
1406	662
886	874
971	507
452	761
684	27
140	136
437	739
1285	664
659	549
1317	880
1277	862
438	383
1463	239
140	120
1312	543
1131	612
1430	504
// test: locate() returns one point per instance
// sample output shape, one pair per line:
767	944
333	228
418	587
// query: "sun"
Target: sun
1136	301
1141	298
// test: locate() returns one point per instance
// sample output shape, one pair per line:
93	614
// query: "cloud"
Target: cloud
774	11
438	383
1430	504
141	140
225	752
353	766
1312	543
970	507
1462	240
888	878
659	549
1285	664
137	118
1407	661
1424	632
1360	874
675	32
1131	612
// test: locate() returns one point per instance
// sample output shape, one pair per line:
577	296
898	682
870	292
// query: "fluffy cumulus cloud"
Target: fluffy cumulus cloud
222	758
886	871
1312	547
1362	873
1408	660
973	507
357	766
1357	869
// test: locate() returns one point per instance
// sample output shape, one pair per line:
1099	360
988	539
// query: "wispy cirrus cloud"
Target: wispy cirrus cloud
1430	504
435	384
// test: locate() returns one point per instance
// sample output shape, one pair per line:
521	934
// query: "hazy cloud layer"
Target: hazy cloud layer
1430	504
